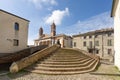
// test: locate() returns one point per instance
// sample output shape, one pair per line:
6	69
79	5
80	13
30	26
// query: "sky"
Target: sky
70	16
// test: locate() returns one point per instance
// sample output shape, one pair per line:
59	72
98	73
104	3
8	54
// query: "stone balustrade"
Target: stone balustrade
18	65
12	57
89	54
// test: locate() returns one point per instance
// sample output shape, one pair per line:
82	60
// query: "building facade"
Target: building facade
13	32
99	42
116	14
52	38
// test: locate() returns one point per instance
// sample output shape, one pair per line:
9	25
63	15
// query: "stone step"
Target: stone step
88	67
75	56
55	54
67	65
66	60
64	56
57	73
63	73
77	59
70	54
75	62
63	68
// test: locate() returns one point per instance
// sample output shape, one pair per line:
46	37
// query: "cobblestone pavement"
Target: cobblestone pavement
32	76
106	69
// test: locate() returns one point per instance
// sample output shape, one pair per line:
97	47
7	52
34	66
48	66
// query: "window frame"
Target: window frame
96	36
84	44
109	42
16	26
109	34
90	36
84	37
97	51
74	44
109	51
96	43
90	44
15	42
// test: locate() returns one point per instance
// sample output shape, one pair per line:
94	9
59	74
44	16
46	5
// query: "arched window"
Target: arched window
16	26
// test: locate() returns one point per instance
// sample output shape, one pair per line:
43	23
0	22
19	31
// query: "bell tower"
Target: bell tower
53	29
40	32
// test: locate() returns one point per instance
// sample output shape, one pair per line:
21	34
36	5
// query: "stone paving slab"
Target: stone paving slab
4	78
61	77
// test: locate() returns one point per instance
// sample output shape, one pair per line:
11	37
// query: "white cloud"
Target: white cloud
42	3
32	38
94	23
30	42
57	16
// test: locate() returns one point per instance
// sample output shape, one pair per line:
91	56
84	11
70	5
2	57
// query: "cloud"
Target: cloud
43	3
100	21
32	38
30	42
57	16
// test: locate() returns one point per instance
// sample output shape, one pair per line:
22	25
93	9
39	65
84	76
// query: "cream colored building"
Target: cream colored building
98	42
116	14
13	32
52	38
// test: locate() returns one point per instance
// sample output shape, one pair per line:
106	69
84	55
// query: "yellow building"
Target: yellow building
116	14
52	38
13	32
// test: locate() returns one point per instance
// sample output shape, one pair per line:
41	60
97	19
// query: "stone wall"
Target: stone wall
37	48
8	32
16	66
102	48
11	57
94	56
